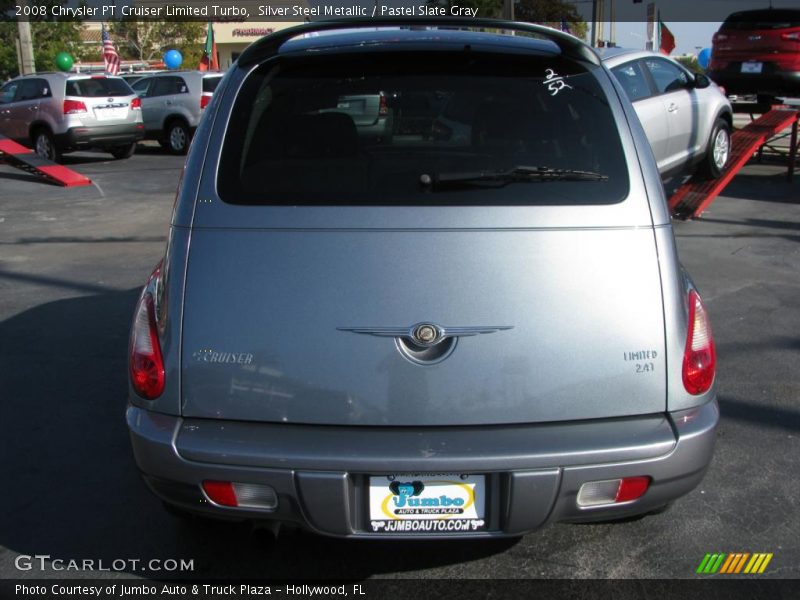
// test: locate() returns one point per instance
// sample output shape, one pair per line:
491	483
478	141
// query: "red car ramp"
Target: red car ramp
26	159
693	197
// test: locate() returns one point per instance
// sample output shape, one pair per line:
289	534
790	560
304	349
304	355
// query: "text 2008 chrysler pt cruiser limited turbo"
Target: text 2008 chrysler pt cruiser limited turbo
471	321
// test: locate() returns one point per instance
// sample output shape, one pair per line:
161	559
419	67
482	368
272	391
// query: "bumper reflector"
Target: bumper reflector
612	491
241	495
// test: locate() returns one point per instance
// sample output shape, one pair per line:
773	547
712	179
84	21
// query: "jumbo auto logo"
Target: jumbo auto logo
407	498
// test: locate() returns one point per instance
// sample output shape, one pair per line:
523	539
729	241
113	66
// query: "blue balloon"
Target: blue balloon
704	57
173	59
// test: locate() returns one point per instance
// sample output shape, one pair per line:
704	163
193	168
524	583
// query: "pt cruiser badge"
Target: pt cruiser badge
426	334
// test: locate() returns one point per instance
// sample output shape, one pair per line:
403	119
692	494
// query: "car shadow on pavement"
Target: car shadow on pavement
152	149
71	487
23	176
86	157
763	187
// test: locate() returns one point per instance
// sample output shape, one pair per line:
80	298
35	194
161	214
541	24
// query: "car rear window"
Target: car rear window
97	87
369	129
762	19
210	84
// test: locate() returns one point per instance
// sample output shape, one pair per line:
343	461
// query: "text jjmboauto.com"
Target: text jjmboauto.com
122	590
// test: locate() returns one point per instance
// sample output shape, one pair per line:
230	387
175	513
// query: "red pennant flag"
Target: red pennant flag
209	62
667	44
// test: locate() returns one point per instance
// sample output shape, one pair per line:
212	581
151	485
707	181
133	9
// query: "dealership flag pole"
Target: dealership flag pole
666	41
209	62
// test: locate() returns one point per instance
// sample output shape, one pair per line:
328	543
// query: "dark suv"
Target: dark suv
758	52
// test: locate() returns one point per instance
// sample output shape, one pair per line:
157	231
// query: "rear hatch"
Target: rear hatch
770	37
323	248
99	100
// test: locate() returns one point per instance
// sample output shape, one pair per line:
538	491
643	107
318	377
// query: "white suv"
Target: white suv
173	103
63	112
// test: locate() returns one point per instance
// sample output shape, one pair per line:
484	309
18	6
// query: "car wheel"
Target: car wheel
120	152
45	146
178	137
719	150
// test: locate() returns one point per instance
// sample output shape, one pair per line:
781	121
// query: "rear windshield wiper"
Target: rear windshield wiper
503	177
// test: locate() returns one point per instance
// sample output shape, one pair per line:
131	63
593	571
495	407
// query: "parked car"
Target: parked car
421	338
62	112
758	52
172	104
685	115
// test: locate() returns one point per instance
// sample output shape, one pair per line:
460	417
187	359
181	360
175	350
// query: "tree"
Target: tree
551	12
50	37
690	62
545	12
148	40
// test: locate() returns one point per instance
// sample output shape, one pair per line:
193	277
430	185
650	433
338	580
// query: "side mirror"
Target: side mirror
701	81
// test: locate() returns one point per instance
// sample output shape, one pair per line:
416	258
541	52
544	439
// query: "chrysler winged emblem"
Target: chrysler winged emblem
426	334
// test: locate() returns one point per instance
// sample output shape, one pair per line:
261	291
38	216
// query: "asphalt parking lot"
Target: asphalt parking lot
71	265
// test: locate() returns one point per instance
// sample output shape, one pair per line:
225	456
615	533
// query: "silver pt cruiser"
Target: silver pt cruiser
470	326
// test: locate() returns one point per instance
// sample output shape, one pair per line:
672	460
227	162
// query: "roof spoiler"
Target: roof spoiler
270	45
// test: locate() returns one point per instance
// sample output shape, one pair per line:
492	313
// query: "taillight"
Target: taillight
794	36
612	491
383	107
136	104
72	107
204	101
700	356
146	364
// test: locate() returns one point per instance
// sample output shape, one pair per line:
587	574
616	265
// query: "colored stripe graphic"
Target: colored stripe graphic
727	566
736	562
711	562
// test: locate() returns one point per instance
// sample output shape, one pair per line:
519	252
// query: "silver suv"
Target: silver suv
685	115
468	329
172	104
62	112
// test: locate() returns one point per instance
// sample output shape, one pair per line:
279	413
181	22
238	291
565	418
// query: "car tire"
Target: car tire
178	137
719	150
121	152
45	145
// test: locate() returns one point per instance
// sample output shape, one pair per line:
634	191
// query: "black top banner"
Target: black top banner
309	10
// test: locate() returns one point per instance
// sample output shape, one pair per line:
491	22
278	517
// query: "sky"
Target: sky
688	36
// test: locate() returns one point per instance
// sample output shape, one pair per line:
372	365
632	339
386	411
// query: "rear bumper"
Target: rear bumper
533	472
105	136
773	83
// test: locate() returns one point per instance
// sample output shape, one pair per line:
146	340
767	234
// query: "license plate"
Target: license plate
107	114
751	67
413	503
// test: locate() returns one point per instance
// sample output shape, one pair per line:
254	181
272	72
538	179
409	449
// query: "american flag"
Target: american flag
110	55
